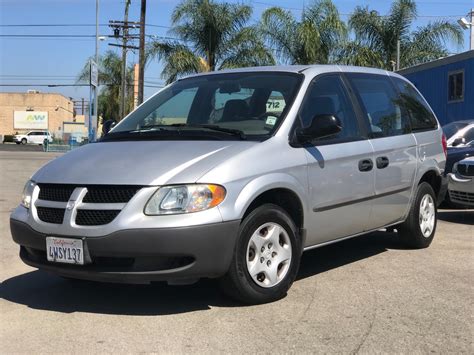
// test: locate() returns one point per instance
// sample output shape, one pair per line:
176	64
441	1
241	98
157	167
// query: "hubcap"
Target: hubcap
269	255
427	215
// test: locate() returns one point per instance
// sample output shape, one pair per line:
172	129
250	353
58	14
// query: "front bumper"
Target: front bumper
139	255
461	190
443	189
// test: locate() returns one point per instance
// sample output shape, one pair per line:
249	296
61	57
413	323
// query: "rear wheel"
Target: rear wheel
419	228
266	257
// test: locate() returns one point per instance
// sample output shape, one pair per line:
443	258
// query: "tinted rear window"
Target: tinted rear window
421	116
385	115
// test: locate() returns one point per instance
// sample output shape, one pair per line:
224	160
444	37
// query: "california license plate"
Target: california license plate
65	250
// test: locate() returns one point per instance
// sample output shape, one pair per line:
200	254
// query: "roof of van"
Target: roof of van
306	69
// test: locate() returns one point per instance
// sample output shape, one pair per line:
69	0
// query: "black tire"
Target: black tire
410	232
17	142
24	141
237	283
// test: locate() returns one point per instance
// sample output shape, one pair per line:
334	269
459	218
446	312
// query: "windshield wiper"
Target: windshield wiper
231	131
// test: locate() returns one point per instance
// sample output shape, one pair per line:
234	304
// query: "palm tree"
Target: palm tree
210	36
110	74
376	37
313	39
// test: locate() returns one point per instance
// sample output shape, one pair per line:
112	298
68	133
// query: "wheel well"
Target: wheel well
283	198
432	178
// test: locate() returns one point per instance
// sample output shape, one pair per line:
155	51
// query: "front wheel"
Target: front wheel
23	141
419	228
266	257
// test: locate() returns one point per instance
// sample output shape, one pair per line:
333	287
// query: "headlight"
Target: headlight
184	199
27	194
455	168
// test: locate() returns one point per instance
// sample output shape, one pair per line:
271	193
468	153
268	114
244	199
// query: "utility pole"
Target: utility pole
94	82
472	30
398	55
123	97
135	86
468	25
141	56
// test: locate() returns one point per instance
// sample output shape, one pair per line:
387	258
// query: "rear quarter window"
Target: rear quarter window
421	116
385	115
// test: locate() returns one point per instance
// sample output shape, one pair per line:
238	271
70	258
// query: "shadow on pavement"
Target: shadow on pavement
457	216
40	290
12	147
335	255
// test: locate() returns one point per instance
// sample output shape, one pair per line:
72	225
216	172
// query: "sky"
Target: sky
59	60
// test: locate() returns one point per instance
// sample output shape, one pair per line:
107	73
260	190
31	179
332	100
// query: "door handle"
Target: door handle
366	164
382	162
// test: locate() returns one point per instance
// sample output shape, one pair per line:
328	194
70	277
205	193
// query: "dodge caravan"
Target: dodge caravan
235	174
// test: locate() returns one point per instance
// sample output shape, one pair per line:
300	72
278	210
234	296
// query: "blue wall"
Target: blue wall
433	84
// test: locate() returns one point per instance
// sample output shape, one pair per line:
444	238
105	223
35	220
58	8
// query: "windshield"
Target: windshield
452	128
247	105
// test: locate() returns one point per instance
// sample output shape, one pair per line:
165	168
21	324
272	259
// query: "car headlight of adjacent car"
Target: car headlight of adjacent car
27	194
184	199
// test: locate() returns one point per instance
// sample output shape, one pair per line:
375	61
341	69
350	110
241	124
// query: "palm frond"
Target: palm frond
179	59
279	28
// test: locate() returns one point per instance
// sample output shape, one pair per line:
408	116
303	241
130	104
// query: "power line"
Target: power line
70	25
72	85
349	14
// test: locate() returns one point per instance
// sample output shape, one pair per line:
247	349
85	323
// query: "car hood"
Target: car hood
139	163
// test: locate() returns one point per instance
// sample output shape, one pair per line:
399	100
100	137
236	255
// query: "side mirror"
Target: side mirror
458	141
107	126
321	126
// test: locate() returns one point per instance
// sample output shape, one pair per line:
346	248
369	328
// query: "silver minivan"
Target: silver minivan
234	174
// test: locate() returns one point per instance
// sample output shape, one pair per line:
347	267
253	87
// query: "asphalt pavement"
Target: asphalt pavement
13	147
365	295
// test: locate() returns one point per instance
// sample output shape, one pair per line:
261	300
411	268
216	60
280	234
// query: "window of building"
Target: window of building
456	86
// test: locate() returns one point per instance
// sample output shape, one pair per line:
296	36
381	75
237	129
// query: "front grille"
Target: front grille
55	192
461	196
110	194
466	169
51	215
95	217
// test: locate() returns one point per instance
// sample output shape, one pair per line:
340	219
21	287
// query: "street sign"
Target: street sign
94	77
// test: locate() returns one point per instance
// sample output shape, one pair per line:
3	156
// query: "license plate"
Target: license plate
65	250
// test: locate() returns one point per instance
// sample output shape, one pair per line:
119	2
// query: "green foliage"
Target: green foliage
316	38
376	37
212	35
110	73
7	138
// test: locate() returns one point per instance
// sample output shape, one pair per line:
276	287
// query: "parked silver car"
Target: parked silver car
234	174
461	183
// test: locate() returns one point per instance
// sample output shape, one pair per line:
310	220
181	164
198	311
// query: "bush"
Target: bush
8	138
